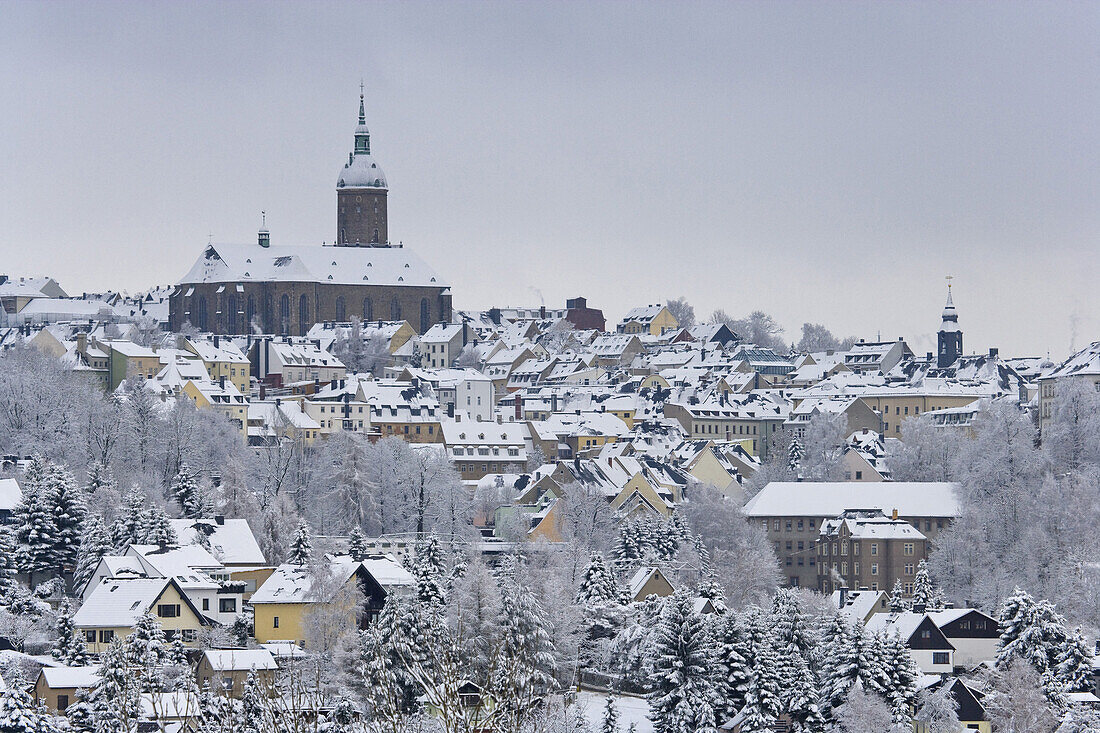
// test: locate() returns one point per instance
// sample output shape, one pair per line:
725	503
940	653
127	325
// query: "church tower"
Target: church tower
950	336
361	189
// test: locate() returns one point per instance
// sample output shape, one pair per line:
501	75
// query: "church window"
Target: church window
231	315
425	315
341	312
284	313
250	311
395	310
303	315
200	316
368	309
374	237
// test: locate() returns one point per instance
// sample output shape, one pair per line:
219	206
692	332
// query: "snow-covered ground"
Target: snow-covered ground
631	710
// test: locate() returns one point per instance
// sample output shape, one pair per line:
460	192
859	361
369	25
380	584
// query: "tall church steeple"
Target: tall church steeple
950	338
361	190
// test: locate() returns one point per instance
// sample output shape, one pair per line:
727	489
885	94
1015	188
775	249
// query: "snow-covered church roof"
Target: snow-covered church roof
239	263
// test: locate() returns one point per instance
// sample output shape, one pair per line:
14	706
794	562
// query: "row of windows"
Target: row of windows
790	524
233	323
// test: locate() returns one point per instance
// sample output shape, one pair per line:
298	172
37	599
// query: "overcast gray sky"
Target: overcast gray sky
828	162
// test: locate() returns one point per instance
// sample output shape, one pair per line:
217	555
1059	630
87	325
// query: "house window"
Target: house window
368	309
777	525
284	313
227	605
908	568
855	568
189	635
874	568
206	604
941	658
275	622
908	548
855	547
303	315
341	309
859	475
89	636
168	610
788	526
227	683
908	589
62	702
106	636
874	548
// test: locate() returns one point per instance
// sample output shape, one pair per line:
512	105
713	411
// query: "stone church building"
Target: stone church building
281	289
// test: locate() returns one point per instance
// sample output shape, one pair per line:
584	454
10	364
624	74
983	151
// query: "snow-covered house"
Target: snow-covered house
931	650
227	670
115	605
10	497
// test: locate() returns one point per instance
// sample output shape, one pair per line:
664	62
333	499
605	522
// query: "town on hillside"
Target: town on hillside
303	489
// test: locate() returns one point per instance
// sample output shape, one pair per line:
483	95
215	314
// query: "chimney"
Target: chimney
217	341
843	596
278	402
519	407
219	519
542	311
894	514
263	391
500	419
610	462
465	333
82	343
993	352
221	381
457	415
554	402
264	238
334	384
928	356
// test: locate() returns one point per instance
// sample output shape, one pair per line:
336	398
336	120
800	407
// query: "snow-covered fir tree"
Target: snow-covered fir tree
128	527
8	567
733	671
897	601
95	543
357	544
526	665
597	584
301	547
187	491
684	697
146	650
69	511
428	571
70	648
35	526
904	682
763	698
114	704
156	528
838	664
20	714
924	595
798	692
609	723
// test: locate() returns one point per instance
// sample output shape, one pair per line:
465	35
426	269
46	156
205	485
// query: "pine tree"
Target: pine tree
597	584
115	702
8	568
187	491
628	545
99	479
733	671
1073	666
924	595
428	570
527	651
684	690
795	455
798	692
873	663
610	721
128	529
35	529
838	664
301	548
156	528
904	682
791	625
69	511
95	543
897	598
252	713
763	700
357	544
1031	630
19	714
70	648
146	649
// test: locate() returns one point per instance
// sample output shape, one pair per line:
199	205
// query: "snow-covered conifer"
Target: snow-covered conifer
597	584
69	511
35	527
301	548
128	528
146	650
428	570
897	598
610	721
763	699
684	694
904	682
95	542
1073	666
156	528
357	544
924	595
70	648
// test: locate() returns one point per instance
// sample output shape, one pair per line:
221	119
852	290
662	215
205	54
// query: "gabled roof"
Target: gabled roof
239	660
119	603
60	678
238	263
830	499
231	540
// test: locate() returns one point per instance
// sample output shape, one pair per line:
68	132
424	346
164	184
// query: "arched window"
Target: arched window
303	315
249	313
374	239
200	315
284	314
425	315
231	315
269	315
341	312
368	309
395	310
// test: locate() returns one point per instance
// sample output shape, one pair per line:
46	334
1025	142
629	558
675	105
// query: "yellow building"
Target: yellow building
284	604
127	359
222	396
116	604
223	360
57	687
649	319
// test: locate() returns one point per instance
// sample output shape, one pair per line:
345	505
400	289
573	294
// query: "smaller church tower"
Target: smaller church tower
950	335
361	218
